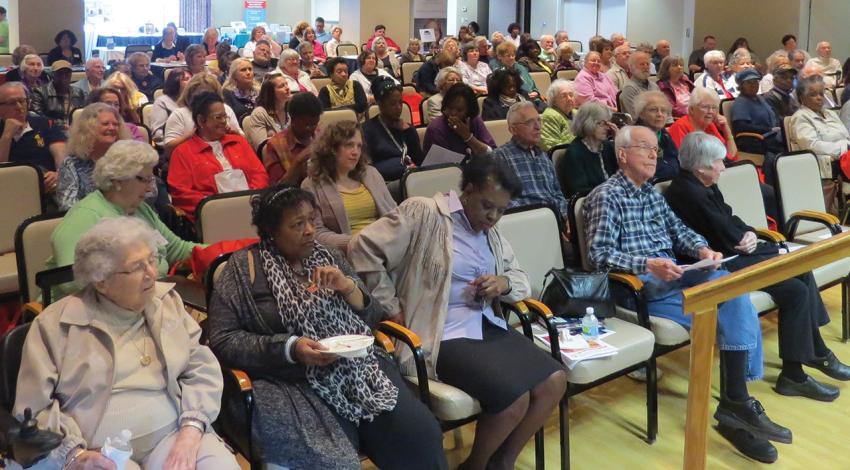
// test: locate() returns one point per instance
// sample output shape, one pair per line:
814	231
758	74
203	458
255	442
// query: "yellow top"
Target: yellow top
360	208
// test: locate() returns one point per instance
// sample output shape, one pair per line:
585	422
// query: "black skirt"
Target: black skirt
496	370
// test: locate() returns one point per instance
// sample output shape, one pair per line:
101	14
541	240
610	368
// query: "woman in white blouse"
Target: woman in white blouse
166	103
330	46
369	72
180	126
817	128
473	71
297	79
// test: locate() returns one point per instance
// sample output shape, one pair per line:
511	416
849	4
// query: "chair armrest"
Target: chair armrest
770	235
628	280
237	382
412	340
242	380
30	310
523	313
829	221
545	313
384	341
750	134
634	285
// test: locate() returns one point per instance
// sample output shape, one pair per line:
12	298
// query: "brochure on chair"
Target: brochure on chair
576	348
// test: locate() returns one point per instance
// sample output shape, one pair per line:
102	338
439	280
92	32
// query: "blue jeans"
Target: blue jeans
738	327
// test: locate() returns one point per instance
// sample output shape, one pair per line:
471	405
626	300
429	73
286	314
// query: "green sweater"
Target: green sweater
555	129
92	209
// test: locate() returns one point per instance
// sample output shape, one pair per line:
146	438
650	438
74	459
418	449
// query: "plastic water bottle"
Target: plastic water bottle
118	449
590	324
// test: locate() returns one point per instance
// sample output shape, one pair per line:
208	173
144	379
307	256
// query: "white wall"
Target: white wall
503	13
544	18
579	20
651	20
828	24
612	17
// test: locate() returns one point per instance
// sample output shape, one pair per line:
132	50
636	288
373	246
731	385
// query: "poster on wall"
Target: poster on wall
255	12
429	15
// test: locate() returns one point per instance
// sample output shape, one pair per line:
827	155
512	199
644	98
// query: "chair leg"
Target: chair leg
845	311
564	416
651	400
539	451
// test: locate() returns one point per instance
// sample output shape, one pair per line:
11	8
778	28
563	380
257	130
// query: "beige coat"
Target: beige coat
332	227
405	259
259	127
67	369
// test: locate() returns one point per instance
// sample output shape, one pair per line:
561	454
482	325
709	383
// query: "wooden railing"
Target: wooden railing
702	300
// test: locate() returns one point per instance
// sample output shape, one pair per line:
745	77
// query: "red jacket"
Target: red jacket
191	173
390	43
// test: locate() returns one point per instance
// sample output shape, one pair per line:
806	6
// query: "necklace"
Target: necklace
405	159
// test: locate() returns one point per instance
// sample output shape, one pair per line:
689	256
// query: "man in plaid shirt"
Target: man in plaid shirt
529	162
631	228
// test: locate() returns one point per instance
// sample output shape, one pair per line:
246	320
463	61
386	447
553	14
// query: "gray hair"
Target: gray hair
137	57
644	98
557	87
804	84
771	60
700	150
94	60
739	55
623	138
125	159
795	52
443	75
25	67
82	138
700	95
715	54
587	118
515	109
98	252
288	54
304	45
9	85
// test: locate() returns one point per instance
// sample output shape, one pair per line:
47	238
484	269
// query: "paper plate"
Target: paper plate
347	345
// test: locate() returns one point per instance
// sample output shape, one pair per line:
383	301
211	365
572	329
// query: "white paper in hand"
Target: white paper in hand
438	155
706	263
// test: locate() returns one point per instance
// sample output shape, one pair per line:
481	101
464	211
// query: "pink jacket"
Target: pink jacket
595	87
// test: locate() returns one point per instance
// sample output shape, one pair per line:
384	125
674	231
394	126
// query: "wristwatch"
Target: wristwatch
195	423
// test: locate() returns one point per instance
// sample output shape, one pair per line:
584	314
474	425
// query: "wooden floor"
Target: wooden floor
608	423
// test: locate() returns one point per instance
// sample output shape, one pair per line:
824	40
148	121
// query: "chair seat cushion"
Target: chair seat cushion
8	273
667	332
815	236
449	403
634	345
762	301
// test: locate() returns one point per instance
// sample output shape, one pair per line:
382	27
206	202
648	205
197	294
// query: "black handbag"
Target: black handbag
570	292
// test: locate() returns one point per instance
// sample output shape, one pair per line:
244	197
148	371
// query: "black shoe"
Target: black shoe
749	445
810	388
831	366
749	415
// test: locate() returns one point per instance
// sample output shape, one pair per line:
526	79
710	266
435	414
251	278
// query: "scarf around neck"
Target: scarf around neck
341	96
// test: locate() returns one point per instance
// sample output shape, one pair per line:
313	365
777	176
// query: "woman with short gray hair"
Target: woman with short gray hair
704	115
556	119
124	177
446	77
138	363
818	128
590	158
32	72
697	200
93	132
652	110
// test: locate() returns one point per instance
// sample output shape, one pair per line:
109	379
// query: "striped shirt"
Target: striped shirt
728	89
625	225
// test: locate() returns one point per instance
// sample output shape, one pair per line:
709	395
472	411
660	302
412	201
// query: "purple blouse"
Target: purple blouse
439	133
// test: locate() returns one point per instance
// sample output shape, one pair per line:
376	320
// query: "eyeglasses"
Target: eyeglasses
644	147
656	110
708	107
140	267
18	101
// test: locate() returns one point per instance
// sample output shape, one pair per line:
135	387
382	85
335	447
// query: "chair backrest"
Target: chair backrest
166	73
558	153
244	121
213	272
739	185
407	71
499	130
577	224
542	80
145	131
839	90
157	93
22	193
137	48
146	113
726	108
567	74
226	217
74	113
406	114
536	240
33	248
662	186
421	132
77	76
11	354
798	187
427	181
321	82
577	46
481	105
790	135
653	78
337	115
423	113
5	60
347	49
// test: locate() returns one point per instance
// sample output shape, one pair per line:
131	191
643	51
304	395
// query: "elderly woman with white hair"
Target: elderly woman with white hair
123	178
716	78
298	80
697	200
446	77
555	121
93	132
32	72
740	59
386	58
473	69
652	109
590	158
123	353
240	89
704	115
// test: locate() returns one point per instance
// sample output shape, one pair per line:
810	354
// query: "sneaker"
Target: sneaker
640	374
749	415
810	388
749	445
831	366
